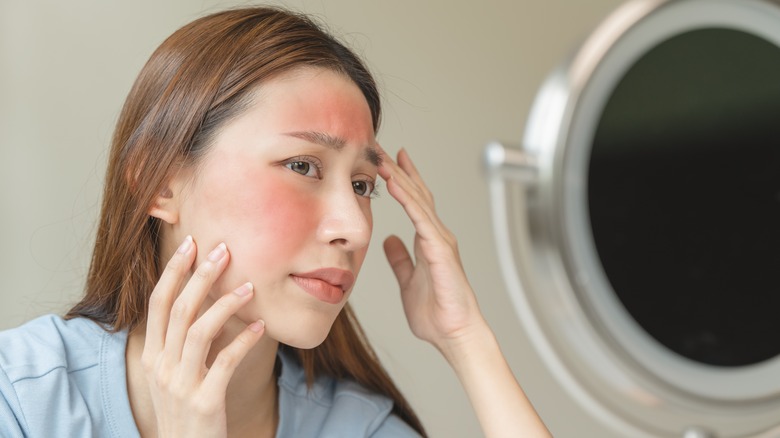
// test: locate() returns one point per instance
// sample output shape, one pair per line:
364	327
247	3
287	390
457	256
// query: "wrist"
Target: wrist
468	344
501	406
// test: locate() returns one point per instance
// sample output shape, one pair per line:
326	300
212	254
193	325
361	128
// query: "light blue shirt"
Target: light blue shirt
67	379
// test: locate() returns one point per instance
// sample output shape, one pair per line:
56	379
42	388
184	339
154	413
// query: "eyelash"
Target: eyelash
314	161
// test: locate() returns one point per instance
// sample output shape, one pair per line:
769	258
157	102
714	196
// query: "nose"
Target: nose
345	220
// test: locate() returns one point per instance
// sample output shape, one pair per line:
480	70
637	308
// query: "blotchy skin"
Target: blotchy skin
277	222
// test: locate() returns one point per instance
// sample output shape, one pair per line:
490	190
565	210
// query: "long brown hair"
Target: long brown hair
197	80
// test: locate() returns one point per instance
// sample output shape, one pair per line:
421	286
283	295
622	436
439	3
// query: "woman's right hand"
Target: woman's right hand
189	396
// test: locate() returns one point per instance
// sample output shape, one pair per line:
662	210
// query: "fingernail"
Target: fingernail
257	326
185	246
244	290
217	253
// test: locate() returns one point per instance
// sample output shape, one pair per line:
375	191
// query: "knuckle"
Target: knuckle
226	360
175	264
225	303
205	406
243	341
162	380
180	310
147	362
156	299
451	238
204	271
179	391
196	335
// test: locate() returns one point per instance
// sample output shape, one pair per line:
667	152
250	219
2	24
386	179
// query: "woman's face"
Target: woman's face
287	186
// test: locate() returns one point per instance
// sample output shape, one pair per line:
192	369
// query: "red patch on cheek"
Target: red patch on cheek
283	221
266	221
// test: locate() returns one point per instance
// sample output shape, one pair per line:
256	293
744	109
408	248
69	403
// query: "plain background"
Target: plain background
454	75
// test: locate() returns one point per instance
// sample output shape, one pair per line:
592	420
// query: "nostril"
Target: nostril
339	241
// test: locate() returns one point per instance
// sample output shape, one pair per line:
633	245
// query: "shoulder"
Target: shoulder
47	343
53	373
332	407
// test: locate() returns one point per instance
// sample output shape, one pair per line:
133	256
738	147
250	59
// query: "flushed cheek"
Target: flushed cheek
266	225
278	225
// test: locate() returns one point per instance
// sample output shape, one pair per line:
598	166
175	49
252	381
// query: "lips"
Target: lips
327	284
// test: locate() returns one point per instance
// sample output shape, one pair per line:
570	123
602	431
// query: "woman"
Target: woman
236	216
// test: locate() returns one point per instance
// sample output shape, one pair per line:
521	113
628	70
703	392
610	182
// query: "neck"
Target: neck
251	396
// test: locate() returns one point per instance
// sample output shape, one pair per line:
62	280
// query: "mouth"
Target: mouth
328	284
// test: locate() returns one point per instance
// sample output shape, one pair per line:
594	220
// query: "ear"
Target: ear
165	206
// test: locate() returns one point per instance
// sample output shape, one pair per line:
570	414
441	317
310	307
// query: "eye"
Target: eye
301	167
305	167
363	188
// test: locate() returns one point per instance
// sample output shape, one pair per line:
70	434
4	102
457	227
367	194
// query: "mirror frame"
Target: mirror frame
590	343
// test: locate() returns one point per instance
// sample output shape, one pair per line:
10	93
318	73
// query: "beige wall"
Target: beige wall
454	75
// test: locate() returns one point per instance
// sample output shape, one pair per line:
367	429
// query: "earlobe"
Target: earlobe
165	207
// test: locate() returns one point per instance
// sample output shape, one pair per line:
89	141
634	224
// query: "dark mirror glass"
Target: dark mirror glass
684	195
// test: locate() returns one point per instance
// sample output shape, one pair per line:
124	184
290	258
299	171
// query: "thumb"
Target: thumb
399	259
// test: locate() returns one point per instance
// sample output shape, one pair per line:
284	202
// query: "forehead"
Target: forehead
317	100
317	106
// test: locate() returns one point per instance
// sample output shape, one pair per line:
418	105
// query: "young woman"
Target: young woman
236	216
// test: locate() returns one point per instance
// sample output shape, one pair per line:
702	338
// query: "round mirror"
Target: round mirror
684	195
638	225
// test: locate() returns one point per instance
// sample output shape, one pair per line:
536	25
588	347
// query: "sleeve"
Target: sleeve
394	426
11	416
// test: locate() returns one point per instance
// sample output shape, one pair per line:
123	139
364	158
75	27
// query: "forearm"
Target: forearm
500	404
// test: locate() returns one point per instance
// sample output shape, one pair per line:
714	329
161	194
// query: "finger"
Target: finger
389	170
405	163
164	293
406	171
388	167
206	328
227	360
187	305
425	221
416	201
399	259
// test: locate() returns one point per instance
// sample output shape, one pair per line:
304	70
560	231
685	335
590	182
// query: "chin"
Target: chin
304	336
305	343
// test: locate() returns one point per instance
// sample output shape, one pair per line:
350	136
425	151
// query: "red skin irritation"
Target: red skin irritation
275	221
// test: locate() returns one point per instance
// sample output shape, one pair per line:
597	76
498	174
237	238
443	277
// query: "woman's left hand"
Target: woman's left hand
442	309
438	301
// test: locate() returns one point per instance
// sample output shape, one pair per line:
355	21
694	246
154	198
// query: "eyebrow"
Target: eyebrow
370	153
